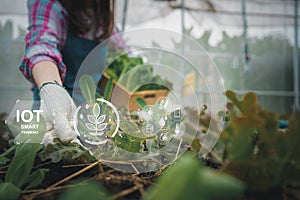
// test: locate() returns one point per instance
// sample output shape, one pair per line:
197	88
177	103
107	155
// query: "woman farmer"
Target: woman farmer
61	34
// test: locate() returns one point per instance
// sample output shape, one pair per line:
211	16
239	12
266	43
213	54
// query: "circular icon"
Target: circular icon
96	123
161	80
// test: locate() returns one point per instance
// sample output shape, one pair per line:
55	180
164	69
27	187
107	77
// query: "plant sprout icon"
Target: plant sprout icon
96	121
92	121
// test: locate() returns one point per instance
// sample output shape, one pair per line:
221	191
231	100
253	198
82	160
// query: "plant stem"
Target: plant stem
279	169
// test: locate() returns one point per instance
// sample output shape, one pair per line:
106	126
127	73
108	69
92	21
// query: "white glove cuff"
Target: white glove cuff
60	109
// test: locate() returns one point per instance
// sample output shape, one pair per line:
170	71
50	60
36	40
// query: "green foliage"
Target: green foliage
202	123
256	151
3	156
3	160
138	75
155	83
119	69
259	152
187	179
18	175
9	191
142	103
36	178
108	89
70	153
4	133
90	191
88	88
244	127
132	138
121	65
20	167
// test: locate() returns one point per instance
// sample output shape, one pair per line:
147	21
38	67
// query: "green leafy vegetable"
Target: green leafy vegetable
108	89
131	138
20	167
9	191
3	160
4	133
256	149
88	88
142	103
90	191
18	174
187	179
131	70
71	153
36	178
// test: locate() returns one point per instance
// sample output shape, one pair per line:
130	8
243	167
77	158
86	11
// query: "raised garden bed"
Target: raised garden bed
121	96
258	161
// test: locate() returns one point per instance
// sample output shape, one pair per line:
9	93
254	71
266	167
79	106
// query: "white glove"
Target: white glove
59	109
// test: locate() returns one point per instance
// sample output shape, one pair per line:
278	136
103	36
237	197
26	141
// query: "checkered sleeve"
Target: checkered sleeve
46	36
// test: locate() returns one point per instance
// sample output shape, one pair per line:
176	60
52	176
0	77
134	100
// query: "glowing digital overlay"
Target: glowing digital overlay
141	139
138	131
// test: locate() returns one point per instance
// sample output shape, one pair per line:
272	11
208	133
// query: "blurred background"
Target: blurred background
253	43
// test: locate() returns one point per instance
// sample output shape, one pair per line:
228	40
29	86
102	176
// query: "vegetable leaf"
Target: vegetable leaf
142	103
70	153
9	191
194	182
36	178
21	164
3	160
131	71
90	190
257	151
108	89
88	88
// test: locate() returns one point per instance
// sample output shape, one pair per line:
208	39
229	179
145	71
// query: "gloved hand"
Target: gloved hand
59	109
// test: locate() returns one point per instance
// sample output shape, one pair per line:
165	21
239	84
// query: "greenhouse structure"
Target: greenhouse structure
152	99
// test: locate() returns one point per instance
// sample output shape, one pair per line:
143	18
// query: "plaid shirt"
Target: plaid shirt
47	34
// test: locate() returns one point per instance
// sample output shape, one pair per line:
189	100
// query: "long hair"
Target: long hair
103	16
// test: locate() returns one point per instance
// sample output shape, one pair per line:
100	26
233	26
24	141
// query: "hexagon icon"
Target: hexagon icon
25	123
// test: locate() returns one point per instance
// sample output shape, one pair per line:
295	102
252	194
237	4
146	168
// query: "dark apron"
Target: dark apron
73	54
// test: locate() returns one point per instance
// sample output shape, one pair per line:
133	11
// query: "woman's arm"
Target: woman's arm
43	63
45	71
44	41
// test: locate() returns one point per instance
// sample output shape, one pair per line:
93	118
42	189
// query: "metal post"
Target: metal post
182	69
182	16
246	46
296	58
124	14
182	26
